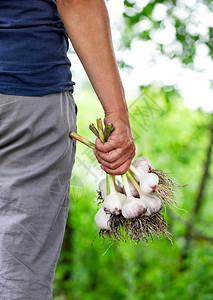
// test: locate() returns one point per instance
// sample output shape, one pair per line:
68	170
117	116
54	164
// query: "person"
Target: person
37	112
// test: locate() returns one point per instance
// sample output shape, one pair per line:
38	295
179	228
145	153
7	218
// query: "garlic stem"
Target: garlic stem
107	185
111	184
135	171
100	130
109	129
126	185
94	129
82	140
135	183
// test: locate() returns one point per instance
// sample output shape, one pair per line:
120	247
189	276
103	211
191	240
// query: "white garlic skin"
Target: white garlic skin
114	202
148	183
142	164
153	204
142	158
133	208
102	187
119	186
133	190
102	219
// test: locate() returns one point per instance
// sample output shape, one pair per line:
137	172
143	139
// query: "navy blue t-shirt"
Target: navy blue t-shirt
33	49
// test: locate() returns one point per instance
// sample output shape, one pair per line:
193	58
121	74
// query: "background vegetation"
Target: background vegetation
175	139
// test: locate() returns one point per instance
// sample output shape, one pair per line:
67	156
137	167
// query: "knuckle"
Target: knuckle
108	171
132	154
133	146
115	166
101	155
134	149
114	155
128	144
96	155
110	157
109	144
109	166
97	143
122	170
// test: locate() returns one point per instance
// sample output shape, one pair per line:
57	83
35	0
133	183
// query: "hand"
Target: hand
116	154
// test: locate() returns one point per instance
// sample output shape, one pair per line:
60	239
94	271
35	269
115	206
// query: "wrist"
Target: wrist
116	117
117	113
114	106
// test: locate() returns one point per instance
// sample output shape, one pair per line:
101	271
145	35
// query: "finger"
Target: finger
128	154
115	141
110	156
120	170
112	149
116	154
115	165
106	147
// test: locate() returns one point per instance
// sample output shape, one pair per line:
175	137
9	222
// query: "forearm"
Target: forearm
87	25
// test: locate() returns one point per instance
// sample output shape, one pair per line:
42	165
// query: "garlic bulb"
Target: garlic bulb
102	219
152	203
148	183
119	186
102	187
113	202
142	158
142	164
133	190
133	208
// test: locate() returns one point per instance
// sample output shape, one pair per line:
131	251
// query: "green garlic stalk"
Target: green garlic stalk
109	129
82	140
100	130
94	129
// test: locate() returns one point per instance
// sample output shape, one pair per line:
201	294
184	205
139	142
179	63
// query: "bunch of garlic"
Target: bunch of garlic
131	209
133	198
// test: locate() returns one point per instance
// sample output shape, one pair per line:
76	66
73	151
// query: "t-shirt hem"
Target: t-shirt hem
35	93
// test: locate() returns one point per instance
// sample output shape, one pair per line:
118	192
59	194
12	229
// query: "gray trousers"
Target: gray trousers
36	160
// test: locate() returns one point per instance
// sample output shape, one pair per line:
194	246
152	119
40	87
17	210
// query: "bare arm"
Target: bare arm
87	25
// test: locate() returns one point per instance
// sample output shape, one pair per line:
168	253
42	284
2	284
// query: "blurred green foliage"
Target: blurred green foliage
175	139
188	24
